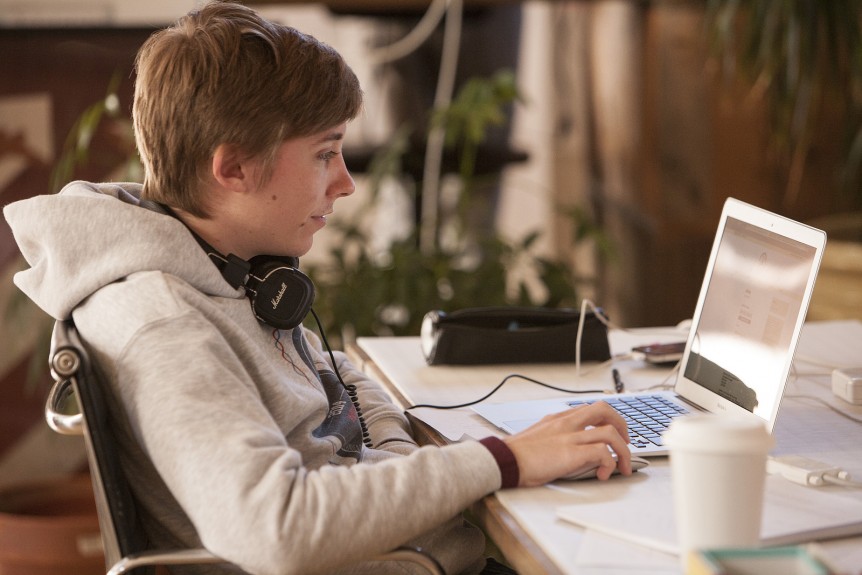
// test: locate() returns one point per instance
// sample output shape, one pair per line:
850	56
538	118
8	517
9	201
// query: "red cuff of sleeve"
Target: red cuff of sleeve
505	460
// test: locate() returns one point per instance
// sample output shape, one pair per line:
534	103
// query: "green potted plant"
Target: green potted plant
462	267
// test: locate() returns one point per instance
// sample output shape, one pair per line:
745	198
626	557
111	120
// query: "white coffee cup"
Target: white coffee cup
718	470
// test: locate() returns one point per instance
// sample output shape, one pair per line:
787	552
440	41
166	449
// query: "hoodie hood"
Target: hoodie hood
91	235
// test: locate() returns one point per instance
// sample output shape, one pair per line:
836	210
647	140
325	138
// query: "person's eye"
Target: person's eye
328	155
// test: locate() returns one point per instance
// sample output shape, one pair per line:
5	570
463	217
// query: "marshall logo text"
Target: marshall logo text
277	299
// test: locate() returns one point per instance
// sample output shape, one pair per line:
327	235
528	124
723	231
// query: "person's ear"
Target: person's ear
232	169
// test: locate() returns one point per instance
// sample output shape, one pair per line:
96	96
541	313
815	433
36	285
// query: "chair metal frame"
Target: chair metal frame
125	545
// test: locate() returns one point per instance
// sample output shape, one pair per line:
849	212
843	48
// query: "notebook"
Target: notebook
745	327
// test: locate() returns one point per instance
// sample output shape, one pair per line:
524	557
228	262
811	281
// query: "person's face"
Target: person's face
308	175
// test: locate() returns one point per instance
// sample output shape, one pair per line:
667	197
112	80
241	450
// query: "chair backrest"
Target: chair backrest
73	372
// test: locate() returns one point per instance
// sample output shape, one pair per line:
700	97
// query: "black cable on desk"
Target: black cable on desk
499	385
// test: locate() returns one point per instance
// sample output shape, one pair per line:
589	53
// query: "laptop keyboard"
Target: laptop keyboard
647	416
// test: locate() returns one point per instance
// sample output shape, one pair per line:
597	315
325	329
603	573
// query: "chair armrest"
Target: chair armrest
203	557
414	555
62	423
154	558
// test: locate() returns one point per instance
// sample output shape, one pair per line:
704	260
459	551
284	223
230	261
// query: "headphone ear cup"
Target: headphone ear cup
281	295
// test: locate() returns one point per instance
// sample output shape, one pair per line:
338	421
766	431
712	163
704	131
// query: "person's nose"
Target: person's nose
343	184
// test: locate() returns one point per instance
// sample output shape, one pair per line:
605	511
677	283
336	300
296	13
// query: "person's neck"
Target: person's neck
215	231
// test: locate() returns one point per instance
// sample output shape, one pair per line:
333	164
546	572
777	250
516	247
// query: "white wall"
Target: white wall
527	199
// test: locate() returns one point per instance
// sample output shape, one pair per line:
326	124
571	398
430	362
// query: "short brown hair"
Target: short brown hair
223	74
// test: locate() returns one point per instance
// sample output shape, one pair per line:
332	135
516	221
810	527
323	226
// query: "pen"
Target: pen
618	382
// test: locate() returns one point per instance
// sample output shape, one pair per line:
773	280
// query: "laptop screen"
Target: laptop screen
752	306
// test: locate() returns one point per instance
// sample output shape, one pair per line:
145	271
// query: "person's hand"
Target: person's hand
563	442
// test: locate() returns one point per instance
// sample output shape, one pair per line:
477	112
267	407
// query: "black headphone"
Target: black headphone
280	295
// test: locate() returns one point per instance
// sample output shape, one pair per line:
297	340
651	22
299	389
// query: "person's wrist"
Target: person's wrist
505	458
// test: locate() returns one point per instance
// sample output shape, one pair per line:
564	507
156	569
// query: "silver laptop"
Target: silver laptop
745	328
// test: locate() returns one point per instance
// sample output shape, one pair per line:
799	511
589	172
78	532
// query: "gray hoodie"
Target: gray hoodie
236	435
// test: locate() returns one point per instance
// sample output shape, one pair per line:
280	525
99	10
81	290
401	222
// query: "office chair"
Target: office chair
125	544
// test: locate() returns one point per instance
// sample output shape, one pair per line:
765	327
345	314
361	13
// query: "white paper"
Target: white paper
642	513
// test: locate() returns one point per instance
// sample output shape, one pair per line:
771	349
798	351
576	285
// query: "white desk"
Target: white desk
524	522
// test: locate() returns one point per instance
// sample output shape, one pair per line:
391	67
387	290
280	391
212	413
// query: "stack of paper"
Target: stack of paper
642	512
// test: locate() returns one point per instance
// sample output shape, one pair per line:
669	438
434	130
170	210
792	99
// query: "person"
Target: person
236	434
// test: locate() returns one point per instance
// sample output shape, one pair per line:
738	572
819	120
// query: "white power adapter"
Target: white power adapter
847	384
804	471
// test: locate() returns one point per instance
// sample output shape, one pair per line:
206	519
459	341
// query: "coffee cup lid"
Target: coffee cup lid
718	434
